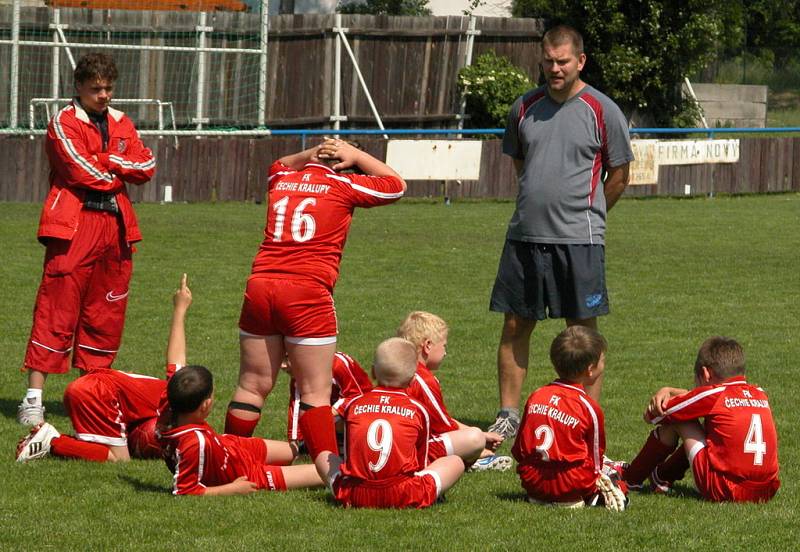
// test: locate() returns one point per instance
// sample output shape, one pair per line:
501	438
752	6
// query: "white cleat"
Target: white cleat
30	414
494	462
37	444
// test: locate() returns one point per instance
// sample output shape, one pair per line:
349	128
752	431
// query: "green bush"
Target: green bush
490	86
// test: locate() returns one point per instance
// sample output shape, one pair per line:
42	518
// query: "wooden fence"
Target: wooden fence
234	169
410	64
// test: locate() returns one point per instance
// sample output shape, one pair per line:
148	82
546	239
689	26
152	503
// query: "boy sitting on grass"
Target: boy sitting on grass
387	436
206	463
733	454
428	333
561	440
114	413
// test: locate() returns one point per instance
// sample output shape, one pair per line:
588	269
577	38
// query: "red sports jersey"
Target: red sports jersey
387	436
308	216
349	381
426	389
561	432
740	434
200	458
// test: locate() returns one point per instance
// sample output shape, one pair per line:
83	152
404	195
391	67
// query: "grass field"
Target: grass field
678	271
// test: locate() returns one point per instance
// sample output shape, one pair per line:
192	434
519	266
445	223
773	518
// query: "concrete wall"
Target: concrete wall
737	105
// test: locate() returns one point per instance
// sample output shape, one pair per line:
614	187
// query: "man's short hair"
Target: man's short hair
420	325
188	388
395	362
95	66
564	34
722	355
574	349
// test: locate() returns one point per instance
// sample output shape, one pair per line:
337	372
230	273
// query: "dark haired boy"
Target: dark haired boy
560	444
733	454
89	227
206	463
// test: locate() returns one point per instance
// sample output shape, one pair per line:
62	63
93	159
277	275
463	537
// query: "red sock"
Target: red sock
67	446
674	467
319	431
235	425
652	454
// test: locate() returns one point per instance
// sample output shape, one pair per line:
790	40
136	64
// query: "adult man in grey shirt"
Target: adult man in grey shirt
561	137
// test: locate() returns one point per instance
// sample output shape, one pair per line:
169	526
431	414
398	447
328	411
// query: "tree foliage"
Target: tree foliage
490	86
639	51
387	7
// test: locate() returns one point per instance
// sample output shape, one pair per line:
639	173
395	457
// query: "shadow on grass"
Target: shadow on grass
143	486
8	407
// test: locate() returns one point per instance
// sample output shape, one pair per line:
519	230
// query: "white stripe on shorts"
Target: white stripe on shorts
698	446
435	478
331	339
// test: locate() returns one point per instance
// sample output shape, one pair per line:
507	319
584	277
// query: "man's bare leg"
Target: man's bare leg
596	389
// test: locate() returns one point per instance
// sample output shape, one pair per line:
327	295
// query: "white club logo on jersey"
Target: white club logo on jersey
747	393
110	297
306	177
554	400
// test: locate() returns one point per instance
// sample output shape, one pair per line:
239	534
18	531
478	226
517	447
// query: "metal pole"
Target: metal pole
55	71
337	76
471	32
14	96
694	97
363	84
262	65
201	70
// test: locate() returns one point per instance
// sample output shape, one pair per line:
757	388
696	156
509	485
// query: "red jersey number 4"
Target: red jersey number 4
754	442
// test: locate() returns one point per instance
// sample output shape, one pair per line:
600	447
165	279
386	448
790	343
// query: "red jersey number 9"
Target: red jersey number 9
303	224
379	439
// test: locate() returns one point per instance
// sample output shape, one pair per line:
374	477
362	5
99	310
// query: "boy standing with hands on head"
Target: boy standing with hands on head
428	333
733	454
561	440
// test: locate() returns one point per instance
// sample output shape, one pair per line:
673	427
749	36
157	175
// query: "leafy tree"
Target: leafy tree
491	85
387	7
639	51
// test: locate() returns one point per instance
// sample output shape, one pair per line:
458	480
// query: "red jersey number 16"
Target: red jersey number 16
303	224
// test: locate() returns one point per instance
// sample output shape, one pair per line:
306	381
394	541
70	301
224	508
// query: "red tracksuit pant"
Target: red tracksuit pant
80	306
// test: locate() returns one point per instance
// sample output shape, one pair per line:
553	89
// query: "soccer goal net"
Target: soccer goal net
191	64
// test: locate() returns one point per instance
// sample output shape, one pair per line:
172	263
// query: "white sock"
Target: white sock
34	396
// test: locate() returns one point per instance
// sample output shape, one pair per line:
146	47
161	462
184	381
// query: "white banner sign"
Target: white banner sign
650	154
435	159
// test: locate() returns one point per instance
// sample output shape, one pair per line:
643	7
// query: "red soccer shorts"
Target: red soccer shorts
417	491
251	455
93	408
716	487
142	440
558	484
439	446
82	299
300	310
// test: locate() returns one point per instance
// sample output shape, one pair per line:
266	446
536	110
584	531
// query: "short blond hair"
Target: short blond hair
420	325
395	362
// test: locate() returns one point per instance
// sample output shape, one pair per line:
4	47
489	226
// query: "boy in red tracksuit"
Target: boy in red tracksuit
733	454
89	227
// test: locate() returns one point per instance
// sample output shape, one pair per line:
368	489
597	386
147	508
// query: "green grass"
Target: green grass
678	271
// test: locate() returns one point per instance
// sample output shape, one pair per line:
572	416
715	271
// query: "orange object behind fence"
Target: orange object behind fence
166	5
